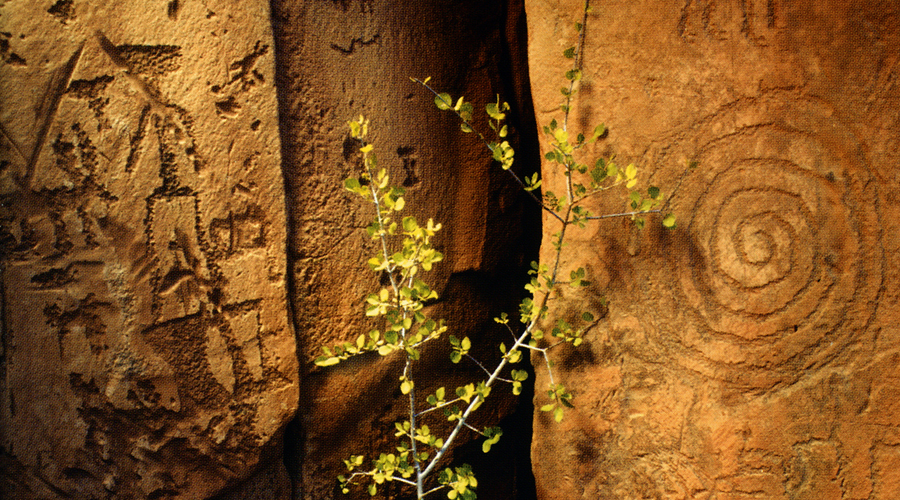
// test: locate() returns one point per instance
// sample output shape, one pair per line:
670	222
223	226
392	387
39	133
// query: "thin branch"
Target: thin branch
479	364
488	145
623	214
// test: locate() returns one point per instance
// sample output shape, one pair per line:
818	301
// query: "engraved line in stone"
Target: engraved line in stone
149	93
715	269
354	42
775	216
244	66
56	93
172	9
137	138
15	144
705	283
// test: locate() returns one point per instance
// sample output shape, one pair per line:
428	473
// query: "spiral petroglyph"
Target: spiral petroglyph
785	253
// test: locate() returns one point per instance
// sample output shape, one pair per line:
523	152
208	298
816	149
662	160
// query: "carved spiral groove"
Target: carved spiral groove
785	252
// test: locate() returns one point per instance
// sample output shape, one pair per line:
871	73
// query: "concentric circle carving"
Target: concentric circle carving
784	251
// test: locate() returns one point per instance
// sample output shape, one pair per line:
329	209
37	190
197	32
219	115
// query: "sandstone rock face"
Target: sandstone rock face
753	351
338	60
146	350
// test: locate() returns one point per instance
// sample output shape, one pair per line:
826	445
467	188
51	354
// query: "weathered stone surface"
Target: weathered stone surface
753	351
146	350
338	60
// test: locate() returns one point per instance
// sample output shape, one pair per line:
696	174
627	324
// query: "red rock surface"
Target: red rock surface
338	60
146	348
753	351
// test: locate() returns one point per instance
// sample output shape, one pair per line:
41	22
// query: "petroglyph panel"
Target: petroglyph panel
750	352
785	265
146	346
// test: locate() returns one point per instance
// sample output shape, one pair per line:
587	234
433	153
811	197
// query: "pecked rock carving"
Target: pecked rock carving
146	350
753	351
786	263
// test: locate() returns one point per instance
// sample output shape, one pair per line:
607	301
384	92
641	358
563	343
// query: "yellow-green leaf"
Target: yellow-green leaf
669	221
327	361
631	171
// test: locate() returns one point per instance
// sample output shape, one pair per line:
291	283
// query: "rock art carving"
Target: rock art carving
752	352
786	263
146	347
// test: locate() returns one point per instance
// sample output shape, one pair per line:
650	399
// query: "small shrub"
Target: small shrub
405	254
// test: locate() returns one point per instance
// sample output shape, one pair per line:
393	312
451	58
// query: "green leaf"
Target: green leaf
669	221
631	171
569	53
560	135
653	192
494	111
442	101
586	316
327	361
410	224
493	435
352	184
558	414
573	75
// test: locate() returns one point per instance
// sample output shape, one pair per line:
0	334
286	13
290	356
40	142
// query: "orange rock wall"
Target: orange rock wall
167	226
753	352
338	60
146	351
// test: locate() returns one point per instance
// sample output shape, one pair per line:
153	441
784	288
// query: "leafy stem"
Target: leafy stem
405	252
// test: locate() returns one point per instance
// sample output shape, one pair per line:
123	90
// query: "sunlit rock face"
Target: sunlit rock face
341	59
146	347
752	352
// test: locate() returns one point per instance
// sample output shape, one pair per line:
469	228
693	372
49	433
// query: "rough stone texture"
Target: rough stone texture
146	350
753	352
337	60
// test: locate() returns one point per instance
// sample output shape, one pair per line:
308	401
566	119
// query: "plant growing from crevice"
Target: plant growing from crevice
405	253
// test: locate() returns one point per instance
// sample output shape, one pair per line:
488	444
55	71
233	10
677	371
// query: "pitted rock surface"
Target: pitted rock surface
146	346
752	352
336	61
